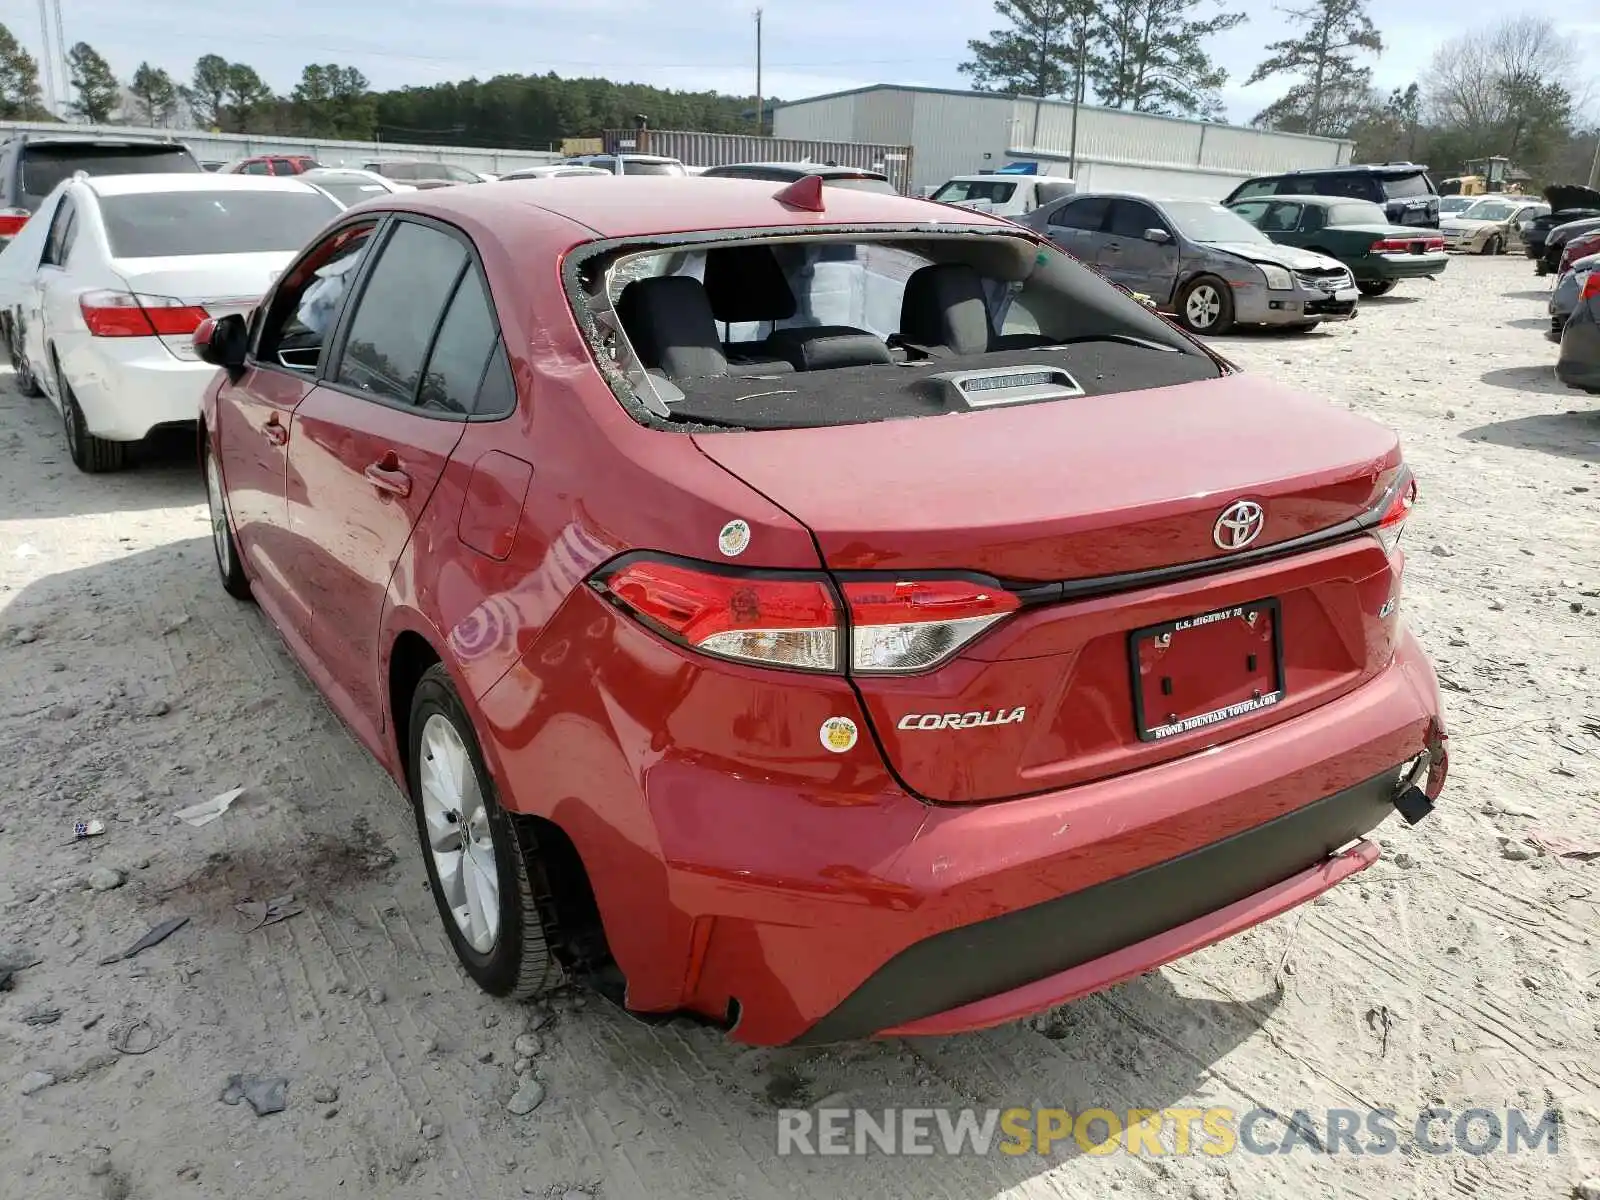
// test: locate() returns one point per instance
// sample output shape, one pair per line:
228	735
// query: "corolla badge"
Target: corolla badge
1239	525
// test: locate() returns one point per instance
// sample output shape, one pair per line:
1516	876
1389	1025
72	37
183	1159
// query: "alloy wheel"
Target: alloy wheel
219	516
1203	306
457	822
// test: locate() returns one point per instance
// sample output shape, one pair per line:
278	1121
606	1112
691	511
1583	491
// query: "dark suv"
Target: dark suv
32	164
1403	190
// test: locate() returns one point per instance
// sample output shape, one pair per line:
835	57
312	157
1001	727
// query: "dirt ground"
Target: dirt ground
1460	971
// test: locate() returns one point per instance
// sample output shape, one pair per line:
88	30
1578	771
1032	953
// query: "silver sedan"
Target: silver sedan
1201	262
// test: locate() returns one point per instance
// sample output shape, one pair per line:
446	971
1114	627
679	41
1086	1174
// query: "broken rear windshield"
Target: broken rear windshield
789	331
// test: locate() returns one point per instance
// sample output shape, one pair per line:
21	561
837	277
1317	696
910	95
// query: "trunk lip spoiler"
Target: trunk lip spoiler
1034	594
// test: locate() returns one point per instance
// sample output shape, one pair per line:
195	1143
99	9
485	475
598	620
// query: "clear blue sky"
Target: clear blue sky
812	46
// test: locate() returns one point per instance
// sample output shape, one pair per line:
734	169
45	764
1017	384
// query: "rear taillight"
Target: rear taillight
793	620
12	220
898	626
1389	245
1591	285
1391	524
782	621
1436	243
123	314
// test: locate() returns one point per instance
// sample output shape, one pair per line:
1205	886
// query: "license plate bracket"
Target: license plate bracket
1198	672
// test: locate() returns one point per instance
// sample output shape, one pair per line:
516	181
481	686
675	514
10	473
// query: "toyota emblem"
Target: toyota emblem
1239	525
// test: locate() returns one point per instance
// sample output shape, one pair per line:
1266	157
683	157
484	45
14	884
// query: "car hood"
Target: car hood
1465	224
1571	195
1278	255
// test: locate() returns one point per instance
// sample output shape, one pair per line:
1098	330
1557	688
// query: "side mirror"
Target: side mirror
1159	236
222	341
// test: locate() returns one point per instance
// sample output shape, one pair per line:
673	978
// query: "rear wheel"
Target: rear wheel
90	454
1494	245
222	543
1375	287
477	867
1205	305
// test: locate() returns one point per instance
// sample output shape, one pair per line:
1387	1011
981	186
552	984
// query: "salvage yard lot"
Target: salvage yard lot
1461	971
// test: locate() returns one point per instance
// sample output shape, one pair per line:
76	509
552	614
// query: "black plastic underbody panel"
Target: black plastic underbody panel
972	962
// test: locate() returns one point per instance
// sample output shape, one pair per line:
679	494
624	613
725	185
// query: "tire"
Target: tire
1376	287
1205	305
91	455
224	548
1495	245
506	954
27	381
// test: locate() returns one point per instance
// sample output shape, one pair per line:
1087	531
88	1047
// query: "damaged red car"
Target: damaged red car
826	613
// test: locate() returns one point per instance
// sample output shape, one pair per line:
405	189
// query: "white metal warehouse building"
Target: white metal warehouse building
959	133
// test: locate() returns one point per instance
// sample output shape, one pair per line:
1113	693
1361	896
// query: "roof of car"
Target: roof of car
199	181
1324	201
1406	168
800	170
642	206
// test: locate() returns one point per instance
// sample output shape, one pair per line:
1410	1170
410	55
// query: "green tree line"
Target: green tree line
334	101
1506	89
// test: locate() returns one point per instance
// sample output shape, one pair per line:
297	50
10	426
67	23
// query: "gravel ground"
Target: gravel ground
1459	971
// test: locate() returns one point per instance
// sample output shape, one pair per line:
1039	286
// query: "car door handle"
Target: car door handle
386	476
275	432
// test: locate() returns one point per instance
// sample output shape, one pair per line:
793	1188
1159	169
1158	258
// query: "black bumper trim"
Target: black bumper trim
994	956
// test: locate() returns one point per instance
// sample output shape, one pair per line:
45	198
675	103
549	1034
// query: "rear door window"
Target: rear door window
461	351
1351	187
44	166
1088	214
400	306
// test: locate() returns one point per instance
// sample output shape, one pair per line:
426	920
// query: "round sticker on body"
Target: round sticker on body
734	538
838	734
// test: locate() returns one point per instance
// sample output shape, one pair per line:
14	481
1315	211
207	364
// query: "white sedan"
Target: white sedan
103	288
352	185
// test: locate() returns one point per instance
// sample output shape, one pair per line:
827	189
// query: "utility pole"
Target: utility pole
61	49
47	58
1594	171
761	115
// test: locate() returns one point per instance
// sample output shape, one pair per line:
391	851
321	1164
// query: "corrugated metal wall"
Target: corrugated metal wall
722	149
956	135
884	116
225	147
829	117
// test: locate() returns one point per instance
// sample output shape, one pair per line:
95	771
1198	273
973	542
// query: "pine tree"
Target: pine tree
1038	54
156	93
1322	57
1150	56
246	92
96	85
208	93
20	98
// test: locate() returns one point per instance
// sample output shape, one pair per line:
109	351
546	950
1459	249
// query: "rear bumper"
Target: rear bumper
971	915
128	386
1402	266
1579	364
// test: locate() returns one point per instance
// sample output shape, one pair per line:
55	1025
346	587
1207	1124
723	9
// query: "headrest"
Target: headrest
823	346
943	305
745	283
668	319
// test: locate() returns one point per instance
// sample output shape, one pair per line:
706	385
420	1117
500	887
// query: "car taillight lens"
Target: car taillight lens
784	619
124	314
1393	521
1383	245
899	626
1591	285
1436	243
12	220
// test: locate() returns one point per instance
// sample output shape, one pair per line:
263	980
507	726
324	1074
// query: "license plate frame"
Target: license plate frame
1216	716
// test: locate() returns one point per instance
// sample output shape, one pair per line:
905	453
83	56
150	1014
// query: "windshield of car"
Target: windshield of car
1406	187
184	224
817	328
1201	221
1489	210
45	166
1357	212
350	191
961	191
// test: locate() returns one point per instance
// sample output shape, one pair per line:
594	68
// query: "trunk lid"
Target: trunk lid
1078	490
219	283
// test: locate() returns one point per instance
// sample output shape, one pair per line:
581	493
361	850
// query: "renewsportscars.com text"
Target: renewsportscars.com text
1168	1131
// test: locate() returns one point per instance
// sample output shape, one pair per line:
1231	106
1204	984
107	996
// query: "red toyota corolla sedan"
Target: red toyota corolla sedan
828	613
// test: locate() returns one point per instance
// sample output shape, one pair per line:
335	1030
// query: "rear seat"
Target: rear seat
746	285
944	310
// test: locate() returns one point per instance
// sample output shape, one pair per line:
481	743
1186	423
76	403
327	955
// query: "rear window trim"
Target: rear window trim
616	379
